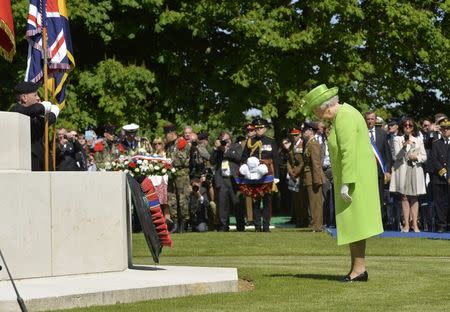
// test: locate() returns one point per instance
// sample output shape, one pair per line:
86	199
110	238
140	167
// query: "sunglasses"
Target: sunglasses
158	143
409	126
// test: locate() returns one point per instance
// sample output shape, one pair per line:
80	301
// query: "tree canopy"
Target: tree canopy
206	62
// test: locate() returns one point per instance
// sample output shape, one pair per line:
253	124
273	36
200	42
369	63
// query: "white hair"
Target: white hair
331	102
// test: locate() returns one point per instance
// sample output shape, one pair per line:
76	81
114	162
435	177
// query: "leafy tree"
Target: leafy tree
206	62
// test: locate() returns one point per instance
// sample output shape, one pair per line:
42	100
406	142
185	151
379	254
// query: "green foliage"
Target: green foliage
205	62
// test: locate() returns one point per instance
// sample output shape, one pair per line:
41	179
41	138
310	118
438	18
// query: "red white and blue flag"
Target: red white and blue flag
7	42
53	15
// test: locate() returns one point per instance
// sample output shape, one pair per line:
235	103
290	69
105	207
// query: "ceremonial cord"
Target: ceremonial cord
253	147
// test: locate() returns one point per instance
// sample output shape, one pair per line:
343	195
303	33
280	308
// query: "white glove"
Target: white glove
55	110
47	105
344	194
276	180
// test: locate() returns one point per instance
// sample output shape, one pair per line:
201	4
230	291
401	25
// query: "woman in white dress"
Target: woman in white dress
408	176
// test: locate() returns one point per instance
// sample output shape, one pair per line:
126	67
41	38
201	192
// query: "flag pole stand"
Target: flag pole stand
20	301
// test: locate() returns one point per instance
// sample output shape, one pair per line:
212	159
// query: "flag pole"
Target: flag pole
54	135
44	47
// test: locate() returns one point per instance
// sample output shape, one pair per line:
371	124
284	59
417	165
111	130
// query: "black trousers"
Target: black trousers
227	199
441	196
266	201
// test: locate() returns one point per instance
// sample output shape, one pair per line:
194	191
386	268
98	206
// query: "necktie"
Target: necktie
372	138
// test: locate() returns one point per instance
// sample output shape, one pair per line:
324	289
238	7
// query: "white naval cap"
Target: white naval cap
131	127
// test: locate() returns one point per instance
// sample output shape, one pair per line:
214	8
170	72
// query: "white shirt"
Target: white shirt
374	134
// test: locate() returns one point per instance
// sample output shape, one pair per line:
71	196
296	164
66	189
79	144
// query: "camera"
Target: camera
194	143
223	142
406	137
195	188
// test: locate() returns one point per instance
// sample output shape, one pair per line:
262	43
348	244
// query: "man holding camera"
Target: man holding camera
29	104
226	158
198	205
66	151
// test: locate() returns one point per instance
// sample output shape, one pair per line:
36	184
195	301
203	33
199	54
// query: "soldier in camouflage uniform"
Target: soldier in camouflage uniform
179	188
107	149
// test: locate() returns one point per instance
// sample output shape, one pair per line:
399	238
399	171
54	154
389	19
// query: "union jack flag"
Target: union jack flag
53	15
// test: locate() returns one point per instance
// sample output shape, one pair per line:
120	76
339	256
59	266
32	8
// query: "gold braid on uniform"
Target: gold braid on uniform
253	147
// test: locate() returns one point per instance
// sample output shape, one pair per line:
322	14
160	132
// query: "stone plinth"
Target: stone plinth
61	223
16	141
77	291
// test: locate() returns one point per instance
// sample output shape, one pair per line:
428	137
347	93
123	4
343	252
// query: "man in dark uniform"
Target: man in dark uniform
265	149
29	104
439	163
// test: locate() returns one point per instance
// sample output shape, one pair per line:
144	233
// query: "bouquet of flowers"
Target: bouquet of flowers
142	166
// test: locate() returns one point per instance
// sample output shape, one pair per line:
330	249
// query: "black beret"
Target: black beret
392	121
26	87
111	129
170	128
310	125
260	122
202	136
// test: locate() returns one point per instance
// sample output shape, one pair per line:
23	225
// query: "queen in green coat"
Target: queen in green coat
355	176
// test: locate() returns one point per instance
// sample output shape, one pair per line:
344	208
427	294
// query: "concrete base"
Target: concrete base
145	283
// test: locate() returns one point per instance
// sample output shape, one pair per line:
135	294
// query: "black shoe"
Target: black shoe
240	228
257	229
363	277
175	228
169	224
183	227
266	230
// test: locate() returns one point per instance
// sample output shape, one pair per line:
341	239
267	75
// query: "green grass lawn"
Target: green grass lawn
294	270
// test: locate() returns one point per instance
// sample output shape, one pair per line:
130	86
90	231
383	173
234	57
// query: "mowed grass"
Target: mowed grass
295	270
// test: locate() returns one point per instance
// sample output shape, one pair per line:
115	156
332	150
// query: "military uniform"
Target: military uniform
179	188
265	149
106	152
36	112
313	178
295	168
439	163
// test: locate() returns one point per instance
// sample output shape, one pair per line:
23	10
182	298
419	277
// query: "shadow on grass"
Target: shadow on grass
325	277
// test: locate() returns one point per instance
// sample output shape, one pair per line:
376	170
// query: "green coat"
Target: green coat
353	162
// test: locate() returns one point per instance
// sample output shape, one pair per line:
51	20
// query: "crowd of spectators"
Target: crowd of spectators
412	159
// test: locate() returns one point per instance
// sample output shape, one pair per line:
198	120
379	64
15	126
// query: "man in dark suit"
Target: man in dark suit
226	158
265	149
439	166
379	138
29	104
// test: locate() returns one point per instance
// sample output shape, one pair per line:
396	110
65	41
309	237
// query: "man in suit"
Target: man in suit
379	138
440	177
265	149
226	158
29	104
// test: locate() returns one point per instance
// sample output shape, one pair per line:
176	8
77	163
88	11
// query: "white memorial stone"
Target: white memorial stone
16	141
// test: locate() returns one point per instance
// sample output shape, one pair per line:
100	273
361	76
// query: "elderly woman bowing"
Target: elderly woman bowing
358	214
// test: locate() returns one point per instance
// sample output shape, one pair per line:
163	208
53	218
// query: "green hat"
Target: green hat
316	97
